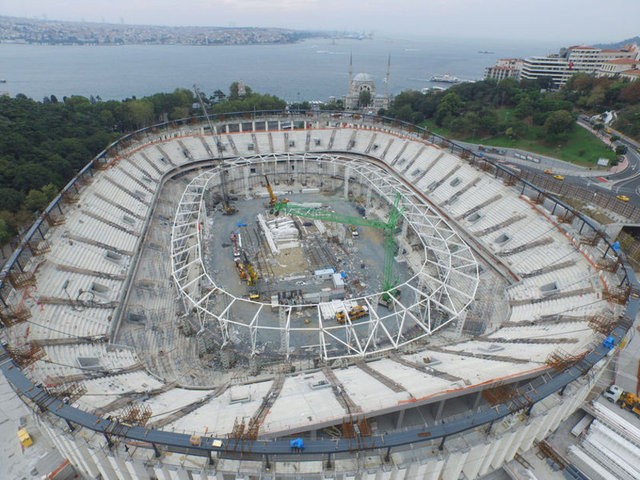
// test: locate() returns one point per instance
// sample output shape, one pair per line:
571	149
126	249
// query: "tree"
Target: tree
11	199
621	149
559	123
218	96
631	93
239	90
140	113
449	106
364	98
35	200
6	232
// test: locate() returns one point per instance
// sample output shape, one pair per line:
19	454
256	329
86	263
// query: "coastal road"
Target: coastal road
623	182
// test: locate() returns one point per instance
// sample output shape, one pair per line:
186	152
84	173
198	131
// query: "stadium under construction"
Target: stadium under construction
326	295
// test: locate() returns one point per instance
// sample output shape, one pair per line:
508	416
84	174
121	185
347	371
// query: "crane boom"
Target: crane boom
325	215
272	196
388	280
227	208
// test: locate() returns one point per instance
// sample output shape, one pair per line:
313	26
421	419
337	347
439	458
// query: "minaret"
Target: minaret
386	79
350	69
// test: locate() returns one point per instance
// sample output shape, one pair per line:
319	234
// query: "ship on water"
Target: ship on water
446	78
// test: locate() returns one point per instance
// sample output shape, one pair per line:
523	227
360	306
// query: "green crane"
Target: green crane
388	280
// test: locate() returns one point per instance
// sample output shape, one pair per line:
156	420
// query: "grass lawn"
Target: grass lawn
581	147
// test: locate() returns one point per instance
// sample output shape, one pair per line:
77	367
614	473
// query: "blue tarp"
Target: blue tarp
609	342
297	443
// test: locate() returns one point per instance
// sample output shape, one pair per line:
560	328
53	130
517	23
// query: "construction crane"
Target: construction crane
389	282
227	209
273	200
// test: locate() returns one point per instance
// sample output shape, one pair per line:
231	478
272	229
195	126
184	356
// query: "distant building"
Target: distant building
561	66
504	68
364	82
620	67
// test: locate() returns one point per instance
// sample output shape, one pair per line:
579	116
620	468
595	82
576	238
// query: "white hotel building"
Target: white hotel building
561	66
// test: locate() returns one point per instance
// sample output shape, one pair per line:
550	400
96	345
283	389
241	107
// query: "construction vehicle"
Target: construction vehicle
252	275
24	437
273	200
627	400
354	313
227	208
630	401
236	240
254	295
242	272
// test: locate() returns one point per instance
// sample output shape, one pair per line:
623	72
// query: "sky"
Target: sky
563	21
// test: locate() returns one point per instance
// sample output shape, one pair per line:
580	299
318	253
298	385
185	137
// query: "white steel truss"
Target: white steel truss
437	292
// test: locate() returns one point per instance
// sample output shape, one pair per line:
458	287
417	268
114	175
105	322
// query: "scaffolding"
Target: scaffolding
26	354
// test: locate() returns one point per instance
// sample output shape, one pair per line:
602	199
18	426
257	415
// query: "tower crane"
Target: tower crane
389	282
227	209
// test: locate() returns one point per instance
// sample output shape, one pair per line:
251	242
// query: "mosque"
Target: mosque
363	82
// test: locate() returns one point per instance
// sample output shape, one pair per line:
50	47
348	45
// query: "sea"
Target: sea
315	69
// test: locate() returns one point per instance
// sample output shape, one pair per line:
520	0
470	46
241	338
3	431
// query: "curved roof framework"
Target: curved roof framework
437	293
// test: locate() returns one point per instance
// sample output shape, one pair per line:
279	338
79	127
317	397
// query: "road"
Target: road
621	180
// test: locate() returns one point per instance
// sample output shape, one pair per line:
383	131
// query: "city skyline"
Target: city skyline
569	21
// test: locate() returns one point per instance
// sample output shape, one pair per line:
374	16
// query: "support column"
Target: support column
440	410
347	172
453	467
476	402
400	419
247	192
475	459
498	459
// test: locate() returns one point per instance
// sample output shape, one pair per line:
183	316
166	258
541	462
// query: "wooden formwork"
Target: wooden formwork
22	279
11	316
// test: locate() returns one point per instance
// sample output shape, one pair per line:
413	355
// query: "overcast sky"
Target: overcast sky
564	21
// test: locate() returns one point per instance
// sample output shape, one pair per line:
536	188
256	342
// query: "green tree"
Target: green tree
364	99
621	149
140	113
35	200
6	232
11	199
450	106
559	123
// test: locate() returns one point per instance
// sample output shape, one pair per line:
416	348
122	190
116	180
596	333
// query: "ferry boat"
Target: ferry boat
446	78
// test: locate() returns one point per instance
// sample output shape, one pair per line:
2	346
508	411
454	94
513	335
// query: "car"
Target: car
548	171
623	198
558	177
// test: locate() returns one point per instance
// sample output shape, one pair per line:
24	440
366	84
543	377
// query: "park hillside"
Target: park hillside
43	144
525	115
